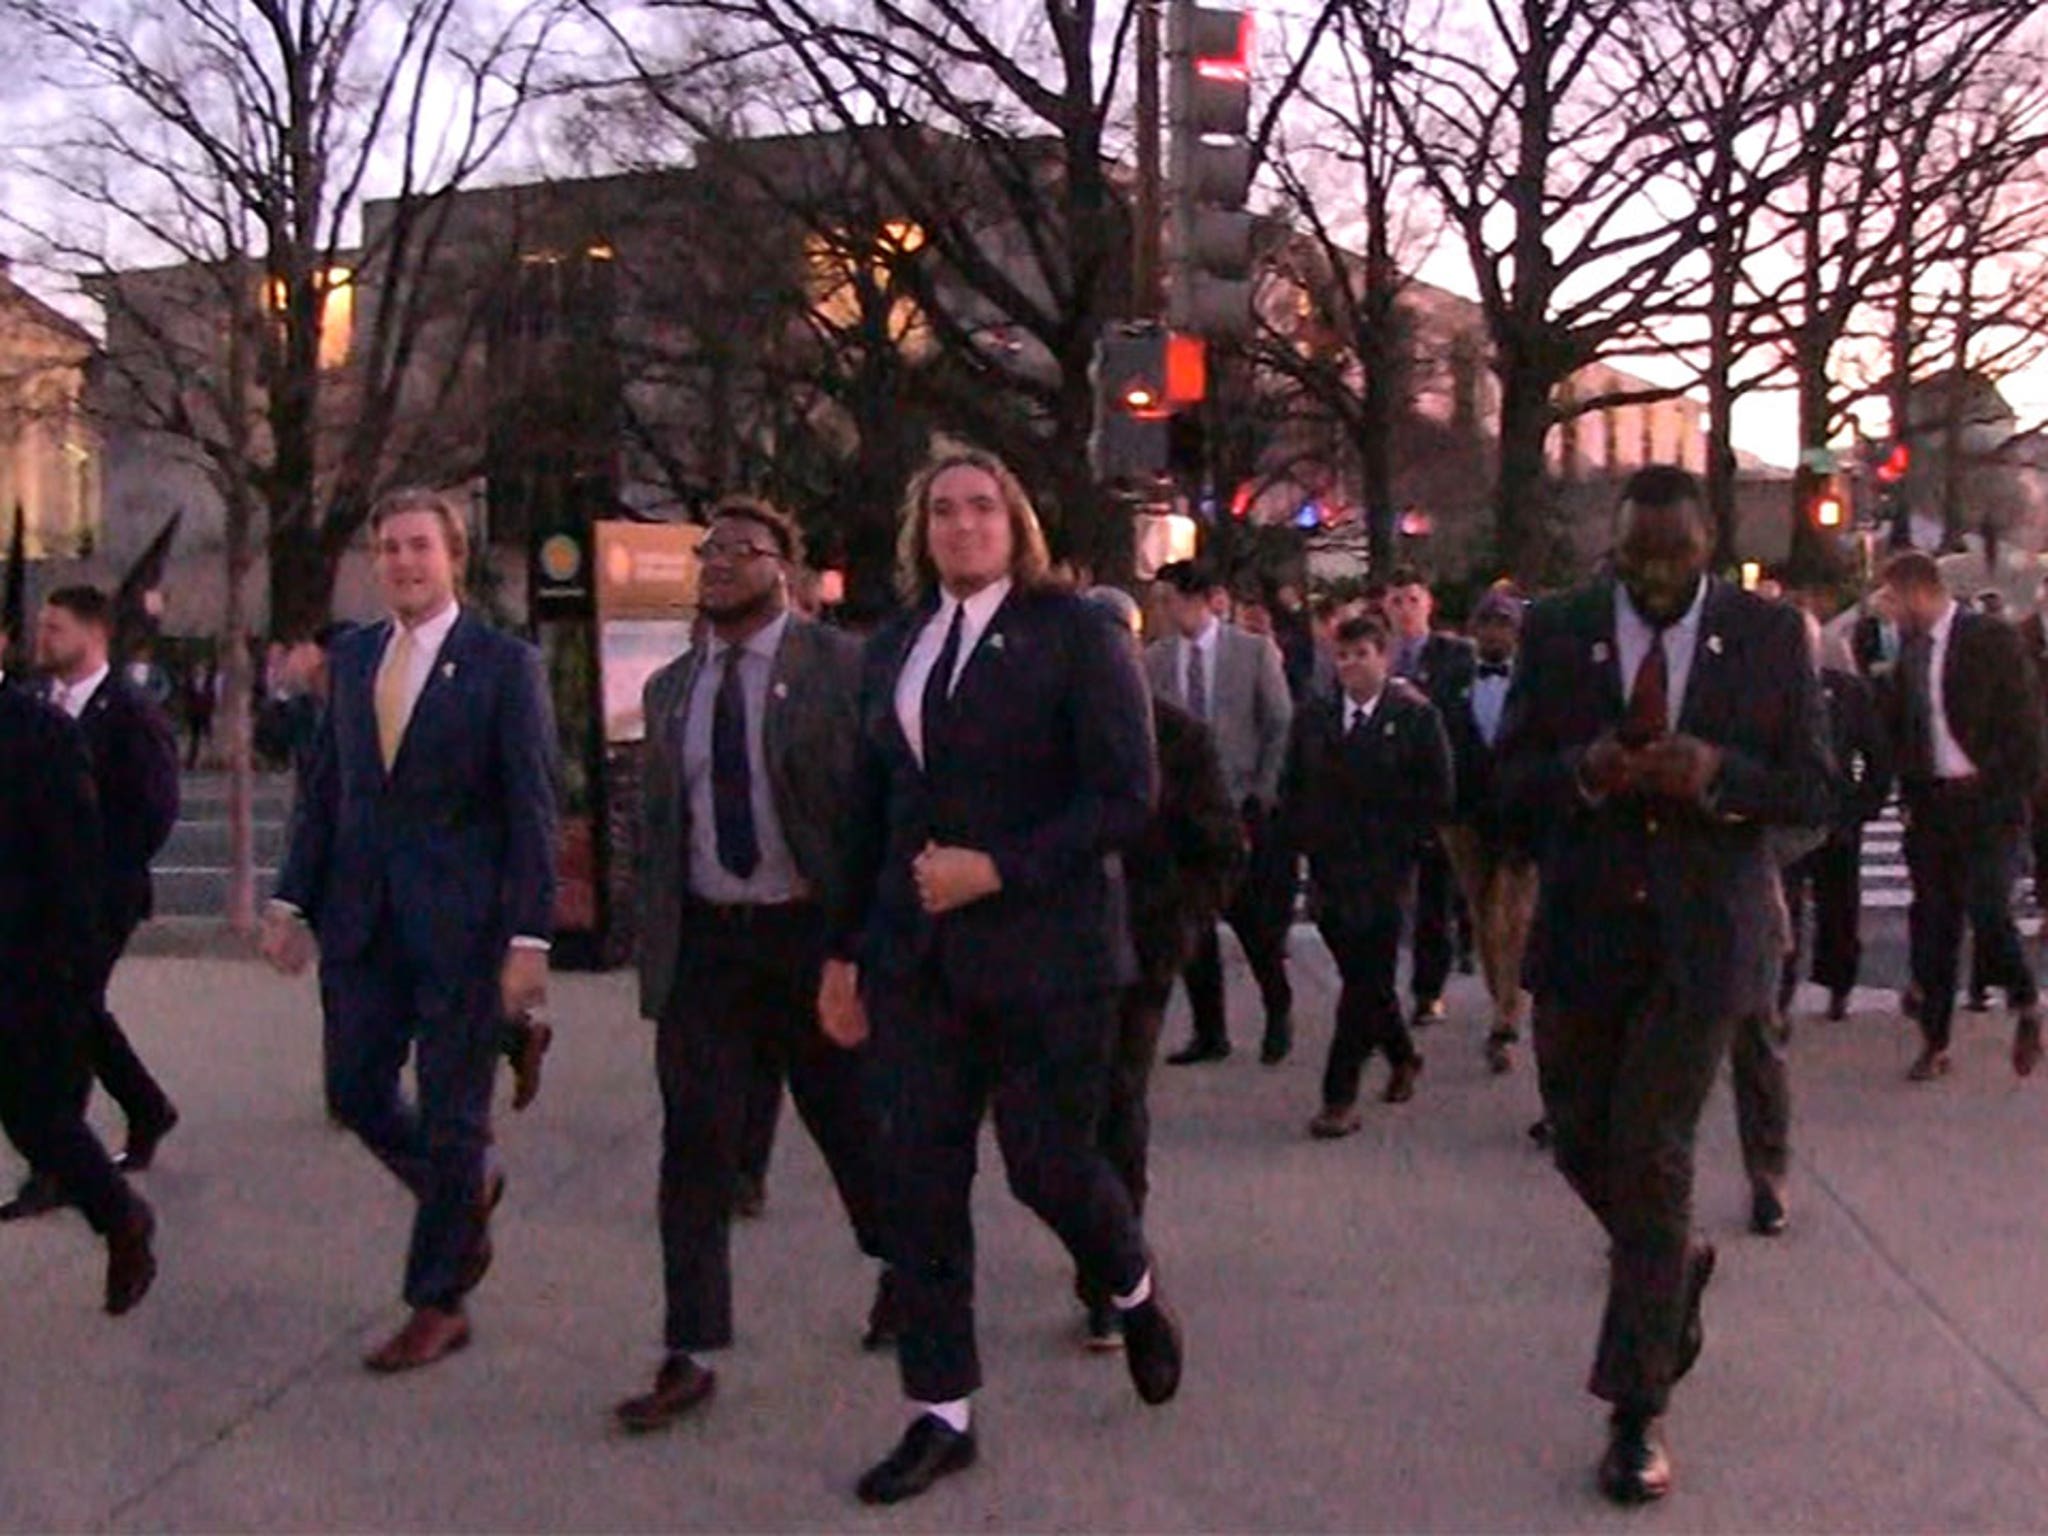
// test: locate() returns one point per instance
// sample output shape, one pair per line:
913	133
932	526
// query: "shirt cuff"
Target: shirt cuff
285	908
529	941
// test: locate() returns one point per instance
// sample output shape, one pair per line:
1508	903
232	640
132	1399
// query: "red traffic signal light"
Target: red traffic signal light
1223	45
1829	508
1895	465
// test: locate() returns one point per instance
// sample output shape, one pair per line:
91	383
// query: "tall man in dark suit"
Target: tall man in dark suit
1235	683
2033	631
1005	754
423	858
1176	878
1493	867
1966	715
135	774
1441	666
748	765
52	948
1659	722
1368	778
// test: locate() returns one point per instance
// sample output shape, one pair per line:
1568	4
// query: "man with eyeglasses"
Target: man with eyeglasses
748	767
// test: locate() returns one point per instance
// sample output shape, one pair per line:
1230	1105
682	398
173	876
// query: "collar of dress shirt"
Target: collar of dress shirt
1205	637
981	606
1356	713
429	634
763	642
1685	624
1937	632
76	696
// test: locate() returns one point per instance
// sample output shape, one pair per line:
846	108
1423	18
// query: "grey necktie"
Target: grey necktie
1198	684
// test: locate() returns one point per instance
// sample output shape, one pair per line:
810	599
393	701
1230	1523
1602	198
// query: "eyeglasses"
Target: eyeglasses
718	550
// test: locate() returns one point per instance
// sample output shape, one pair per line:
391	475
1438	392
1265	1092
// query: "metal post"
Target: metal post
1147	293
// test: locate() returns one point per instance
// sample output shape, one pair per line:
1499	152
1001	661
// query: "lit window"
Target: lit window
337	312
842	279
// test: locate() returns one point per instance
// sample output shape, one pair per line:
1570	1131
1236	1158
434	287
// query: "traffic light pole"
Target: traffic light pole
1147	292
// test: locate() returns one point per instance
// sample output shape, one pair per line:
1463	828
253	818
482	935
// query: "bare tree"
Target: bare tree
233	140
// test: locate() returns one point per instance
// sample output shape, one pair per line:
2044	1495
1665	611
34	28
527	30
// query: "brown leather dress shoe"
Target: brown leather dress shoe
1401	1085
131	1262
526	1062
430	1334
680	1385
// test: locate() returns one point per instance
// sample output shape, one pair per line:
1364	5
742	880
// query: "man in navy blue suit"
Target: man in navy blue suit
1005	752
135	773
423	859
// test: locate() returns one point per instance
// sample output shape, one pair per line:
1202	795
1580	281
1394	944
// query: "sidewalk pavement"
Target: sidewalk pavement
1386	1333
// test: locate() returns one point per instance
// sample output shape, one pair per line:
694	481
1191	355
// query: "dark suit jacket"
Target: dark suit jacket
50	862
1626	883
1362	806
809	729
456	844
135	769
1444	666
1862	749
1992	697
1046	765
1182	868
1475	765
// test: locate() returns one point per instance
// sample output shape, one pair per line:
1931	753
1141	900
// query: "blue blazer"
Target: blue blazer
457	842
1697	886
1047	764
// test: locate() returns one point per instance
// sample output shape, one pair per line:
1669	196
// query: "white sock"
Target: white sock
956	1415
1138	1297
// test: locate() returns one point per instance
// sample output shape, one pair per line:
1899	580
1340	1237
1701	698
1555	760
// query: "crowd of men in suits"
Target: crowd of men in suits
955	874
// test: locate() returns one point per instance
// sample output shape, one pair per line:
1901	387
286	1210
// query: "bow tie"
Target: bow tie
1494	669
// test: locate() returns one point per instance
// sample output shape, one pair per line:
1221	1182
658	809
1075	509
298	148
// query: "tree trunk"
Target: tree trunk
1522	493
302	572
237	726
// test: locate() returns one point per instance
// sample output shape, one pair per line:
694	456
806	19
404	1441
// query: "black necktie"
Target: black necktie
1916	745
938	687
732	774
1493	669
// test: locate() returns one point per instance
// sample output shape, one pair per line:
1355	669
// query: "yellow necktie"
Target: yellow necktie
394	680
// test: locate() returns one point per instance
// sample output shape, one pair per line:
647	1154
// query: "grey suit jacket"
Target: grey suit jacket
808	736
1251	711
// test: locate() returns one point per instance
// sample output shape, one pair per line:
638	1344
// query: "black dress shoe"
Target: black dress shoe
1635	1469
1278	1042
143	1139
1692	1336
928	1451
1767	1214
749	1197
1428	1011
885	1316
38	1196
1979	1001
131	1262
1197	1051
1105	1328
1152	1348
679	1386
1838	1005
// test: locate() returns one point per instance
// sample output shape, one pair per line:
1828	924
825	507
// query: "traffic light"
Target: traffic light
1129	444
1895	465
1828	507
1210	169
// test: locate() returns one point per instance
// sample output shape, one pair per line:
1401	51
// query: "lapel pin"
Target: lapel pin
447	669
782	690
1600	652
1714	644
1389	729
995	642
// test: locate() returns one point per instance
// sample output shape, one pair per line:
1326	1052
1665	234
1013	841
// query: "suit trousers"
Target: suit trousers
1261	911
1364	938
1042	1064
1833	874
764	1112
44	1078
113	1059
1500	891
1962	862
1435	921
382	1006
1124	1132
1763	1097
745	976
1623	1087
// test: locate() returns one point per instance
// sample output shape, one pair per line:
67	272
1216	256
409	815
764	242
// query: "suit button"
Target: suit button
1642	895
1650	826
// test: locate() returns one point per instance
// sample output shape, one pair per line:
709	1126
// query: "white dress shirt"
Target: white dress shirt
1357	715
924	653
73	697
428	637
1489	700
1950	760
1634	635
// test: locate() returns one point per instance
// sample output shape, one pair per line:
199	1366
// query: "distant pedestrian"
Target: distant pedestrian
198	697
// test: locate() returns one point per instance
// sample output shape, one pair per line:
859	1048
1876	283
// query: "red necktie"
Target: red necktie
1649	701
